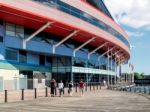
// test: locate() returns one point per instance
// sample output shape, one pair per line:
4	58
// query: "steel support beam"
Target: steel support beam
81	46
116	53
89	54
63	40
106	52
35	33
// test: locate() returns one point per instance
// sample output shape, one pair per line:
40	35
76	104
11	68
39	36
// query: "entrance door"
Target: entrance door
29	75
1	83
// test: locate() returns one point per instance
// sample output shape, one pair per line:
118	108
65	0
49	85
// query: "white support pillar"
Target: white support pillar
63	40
35	33
115	70
108	68
89	54
111	68
81	46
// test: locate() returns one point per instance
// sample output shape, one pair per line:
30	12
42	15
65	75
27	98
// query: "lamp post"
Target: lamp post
132	72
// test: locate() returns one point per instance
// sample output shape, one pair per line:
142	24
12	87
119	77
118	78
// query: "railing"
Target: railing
131	88
84	16
30	94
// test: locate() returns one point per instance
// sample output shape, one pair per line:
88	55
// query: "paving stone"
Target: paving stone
95	101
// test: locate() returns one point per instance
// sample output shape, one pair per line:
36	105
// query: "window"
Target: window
1	38
22	56
19	31
10	29
1	22
42	60
48	59
11	54
14	30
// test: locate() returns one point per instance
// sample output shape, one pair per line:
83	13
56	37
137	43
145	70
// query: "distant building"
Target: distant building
61	39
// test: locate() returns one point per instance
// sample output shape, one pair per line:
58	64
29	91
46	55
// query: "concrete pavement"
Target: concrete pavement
95	101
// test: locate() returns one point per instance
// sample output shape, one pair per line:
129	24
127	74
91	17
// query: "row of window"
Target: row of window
48	38
84	16
102	64
21	56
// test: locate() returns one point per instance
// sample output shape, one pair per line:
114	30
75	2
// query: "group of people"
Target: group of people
53	85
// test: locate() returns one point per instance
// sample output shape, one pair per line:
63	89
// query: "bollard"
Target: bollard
22	94
144	90
63	91
100	85
76	88
130	89
86	87
46	95
35	93
93	87
6	96
90	87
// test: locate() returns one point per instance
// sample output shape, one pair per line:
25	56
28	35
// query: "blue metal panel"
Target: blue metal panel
32	58
94	57
81	54
61	50
39	46
13	42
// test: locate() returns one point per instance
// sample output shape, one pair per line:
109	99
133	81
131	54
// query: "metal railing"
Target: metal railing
131	88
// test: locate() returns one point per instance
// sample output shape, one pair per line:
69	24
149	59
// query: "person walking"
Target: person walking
52	85
60	87
55	87
70	90
81	87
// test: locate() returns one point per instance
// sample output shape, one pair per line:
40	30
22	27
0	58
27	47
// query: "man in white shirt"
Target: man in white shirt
60	87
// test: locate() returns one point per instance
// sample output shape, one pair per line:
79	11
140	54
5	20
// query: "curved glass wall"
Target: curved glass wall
84	16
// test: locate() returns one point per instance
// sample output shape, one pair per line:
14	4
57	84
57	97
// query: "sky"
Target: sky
134	17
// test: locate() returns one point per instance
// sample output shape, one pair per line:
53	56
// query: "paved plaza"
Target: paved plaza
95	101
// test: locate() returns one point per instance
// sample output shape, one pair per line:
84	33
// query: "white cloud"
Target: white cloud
133	13
135	34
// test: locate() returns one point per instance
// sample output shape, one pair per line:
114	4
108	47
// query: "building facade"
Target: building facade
61	39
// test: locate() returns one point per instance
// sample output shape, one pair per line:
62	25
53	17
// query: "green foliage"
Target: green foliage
138	76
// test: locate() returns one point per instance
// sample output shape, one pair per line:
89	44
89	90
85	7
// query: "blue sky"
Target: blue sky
134	17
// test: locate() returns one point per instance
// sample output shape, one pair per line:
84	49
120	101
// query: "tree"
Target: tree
137	76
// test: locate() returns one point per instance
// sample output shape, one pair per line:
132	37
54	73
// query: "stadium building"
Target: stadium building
61	39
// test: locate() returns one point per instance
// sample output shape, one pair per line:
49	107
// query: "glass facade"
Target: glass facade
84	16
59	64
14	30
1	38
11	54
22	56
42	60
